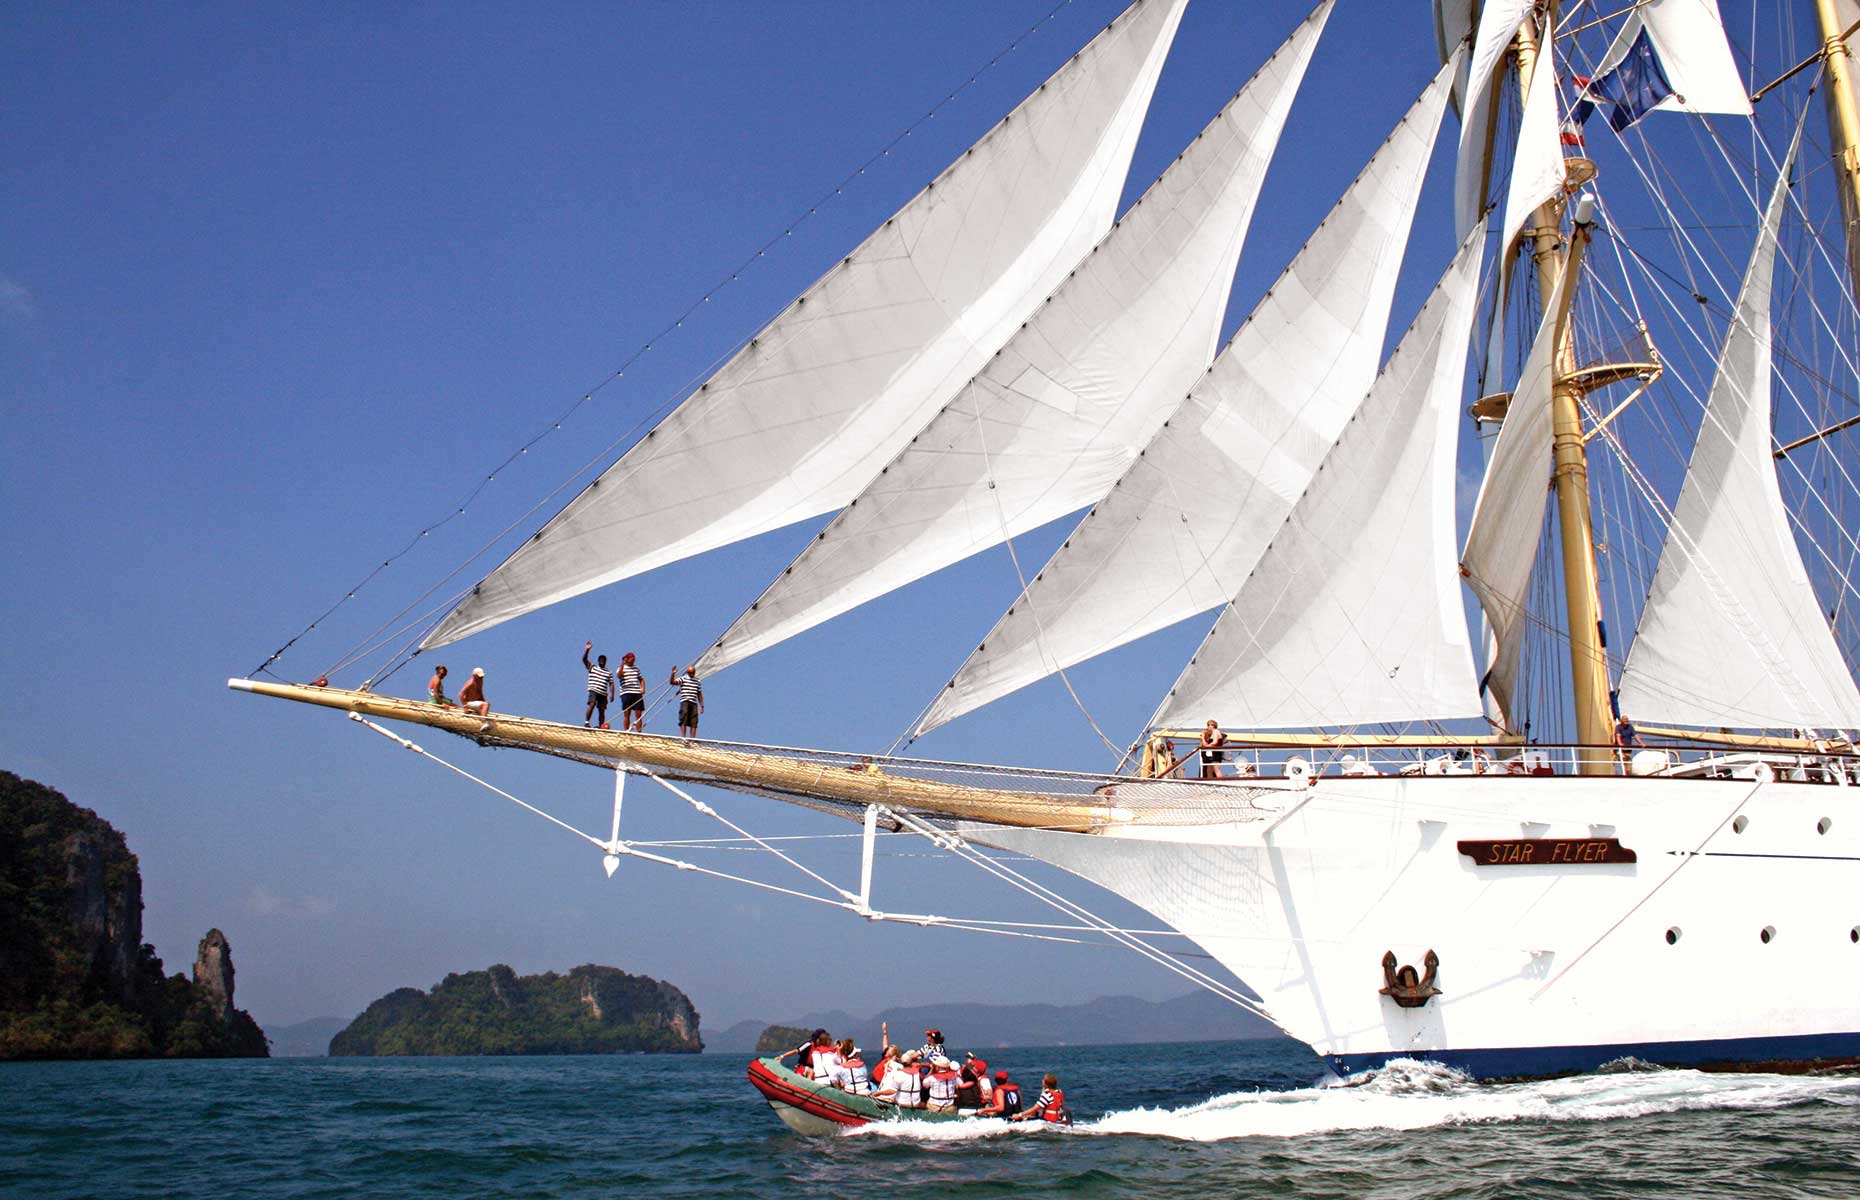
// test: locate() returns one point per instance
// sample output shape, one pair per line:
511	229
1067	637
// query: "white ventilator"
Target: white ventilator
1054	418
795	423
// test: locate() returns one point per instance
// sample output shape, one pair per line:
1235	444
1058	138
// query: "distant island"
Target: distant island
76	978
779	1039
590	1010
1106	1021
305	1039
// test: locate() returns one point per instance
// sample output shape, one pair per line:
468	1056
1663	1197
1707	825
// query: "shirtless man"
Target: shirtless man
471	696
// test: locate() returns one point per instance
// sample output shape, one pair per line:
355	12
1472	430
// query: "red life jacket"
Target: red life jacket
1054	1109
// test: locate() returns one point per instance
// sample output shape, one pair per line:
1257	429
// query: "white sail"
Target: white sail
1498	24
1537	165
1187	521
1732	634
1055	417
1688	36
1507	524
797	421
1536	176
1353	616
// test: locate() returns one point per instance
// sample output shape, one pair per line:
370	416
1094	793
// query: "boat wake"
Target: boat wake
1415	1095
1408	1095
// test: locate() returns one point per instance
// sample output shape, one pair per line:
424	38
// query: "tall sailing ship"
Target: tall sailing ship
1519	846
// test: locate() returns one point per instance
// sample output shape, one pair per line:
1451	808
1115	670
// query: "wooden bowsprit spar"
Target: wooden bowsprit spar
833	781
902	795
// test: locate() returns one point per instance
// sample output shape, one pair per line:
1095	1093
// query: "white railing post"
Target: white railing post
611	860
867	845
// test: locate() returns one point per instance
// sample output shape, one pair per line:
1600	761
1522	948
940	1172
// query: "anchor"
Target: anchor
1405	986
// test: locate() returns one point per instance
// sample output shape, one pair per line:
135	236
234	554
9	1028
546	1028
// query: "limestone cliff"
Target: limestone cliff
76	978
590	1010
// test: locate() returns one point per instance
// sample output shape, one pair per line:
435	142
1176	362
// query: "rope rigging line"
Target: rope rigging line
1788	388
953	846
958	846
587	394
1020	574
1033	930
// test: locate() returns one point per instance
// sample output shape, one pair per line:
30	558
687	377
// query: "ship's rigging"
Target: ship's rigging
1296	481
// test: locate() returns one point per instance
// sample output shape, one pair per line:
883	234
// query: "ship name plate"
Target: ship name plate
1537	852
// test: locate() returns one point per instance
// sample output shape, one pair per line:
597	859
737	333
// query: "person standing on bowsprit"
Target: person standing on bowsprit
690	700
632	695
600	687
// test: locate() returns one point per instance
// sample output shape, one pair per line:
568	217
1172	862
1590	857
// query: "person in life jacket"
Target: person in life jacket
826	1059
804	1063
942	1085
1051	1105
851	1075
1005	1102
887	1059
973	1089
984	1087
902	1085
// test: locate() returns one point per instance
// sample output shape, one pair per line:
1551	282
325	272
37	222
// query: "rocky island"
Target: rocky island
76	978
779	1039
590	1010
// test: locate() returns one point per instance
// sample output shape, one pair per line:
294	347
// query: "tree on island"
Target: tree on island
779	1039
590	1010
76	978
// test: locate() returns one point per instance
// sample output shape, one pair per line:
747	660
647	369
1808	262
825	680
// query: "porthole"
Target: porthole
1740	824
1853	935
1673	935
1822	826
1768	934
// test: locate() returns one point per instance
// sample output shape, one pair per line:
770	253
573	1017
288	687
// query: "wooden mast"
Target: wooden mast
1554	259
1843	126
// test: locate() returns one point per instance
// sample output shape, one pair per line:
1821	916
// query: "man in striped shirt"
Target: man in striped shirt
690	700
632	695
600	687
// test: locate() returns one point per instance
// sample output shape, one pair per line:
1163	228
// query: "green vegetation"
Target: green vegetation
76	978
779	1039
590	1010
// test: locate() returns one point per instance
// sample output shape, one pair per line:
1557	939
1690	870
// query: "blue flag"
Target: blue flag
1637	83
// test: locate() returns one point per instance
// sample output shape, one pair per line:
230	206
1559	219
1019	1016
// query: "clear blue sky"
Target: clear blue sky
279	283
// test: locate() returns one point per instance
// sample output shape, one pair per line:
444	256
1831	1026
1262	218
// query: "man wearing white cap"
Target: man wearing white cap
471	696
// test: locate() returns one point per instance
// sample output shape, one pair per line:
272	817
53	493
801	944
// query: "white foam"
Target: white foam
1412	1095
968	1129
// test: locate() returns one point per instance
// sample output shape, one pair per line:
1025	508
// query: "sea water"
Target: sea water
1226	1119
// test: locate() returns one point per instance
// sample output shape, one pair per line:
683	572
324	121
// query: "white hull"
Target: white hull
1543	968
